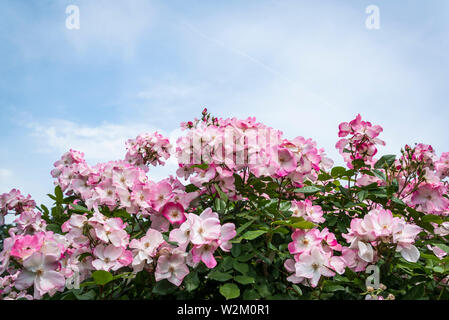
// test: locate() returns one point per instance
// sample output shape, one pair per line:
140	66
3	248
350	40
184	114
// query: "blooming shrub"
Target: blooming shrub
250	215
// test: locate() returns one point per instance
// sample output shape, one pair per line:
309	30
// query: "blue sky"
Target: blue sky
141	65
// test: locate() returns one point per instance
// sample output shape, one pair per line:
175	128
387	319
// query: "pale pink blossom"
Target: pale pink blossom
40	270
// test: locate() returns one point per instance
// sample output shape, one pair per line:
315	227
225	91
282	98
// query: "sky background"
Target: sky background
138	66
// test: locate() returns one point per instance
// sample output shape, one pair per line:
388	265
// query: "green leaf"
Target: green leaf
51	196
432	218
202	166
220	205
297	289
219	276
281	230
87	283
381	193
438	269
45	209
379	174
243	268
338	171
78	208
230	291
59	195
102	277
191	188
333	288
415	292
285	206
358	164
324	176
236	250
307	189
245	257
244	226
295	222
226	264
303	225
331	220
163	287
69	200
236	240
429	256
251	235
350	205
191	281
263	290
122	213
125	275
387	160
398	201
54	227
344	191
89	295
362	195
244	279
222	195
250	294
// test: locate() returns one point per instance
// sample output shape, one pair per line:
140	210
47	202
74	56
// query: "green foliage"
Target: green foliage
230	291
102	277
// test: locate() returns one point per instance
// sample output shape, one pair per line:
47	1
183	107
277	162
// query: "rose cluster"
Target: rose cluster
377	228
314	257
205	234
14	201
111	217
243	147
361	143
146	149
119	185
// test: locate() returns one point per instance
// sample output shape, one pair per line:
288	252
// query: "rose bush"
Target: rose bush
258	216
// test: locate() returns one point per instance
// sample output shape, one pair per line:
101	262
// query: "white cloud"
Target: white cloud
99	143
5	173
